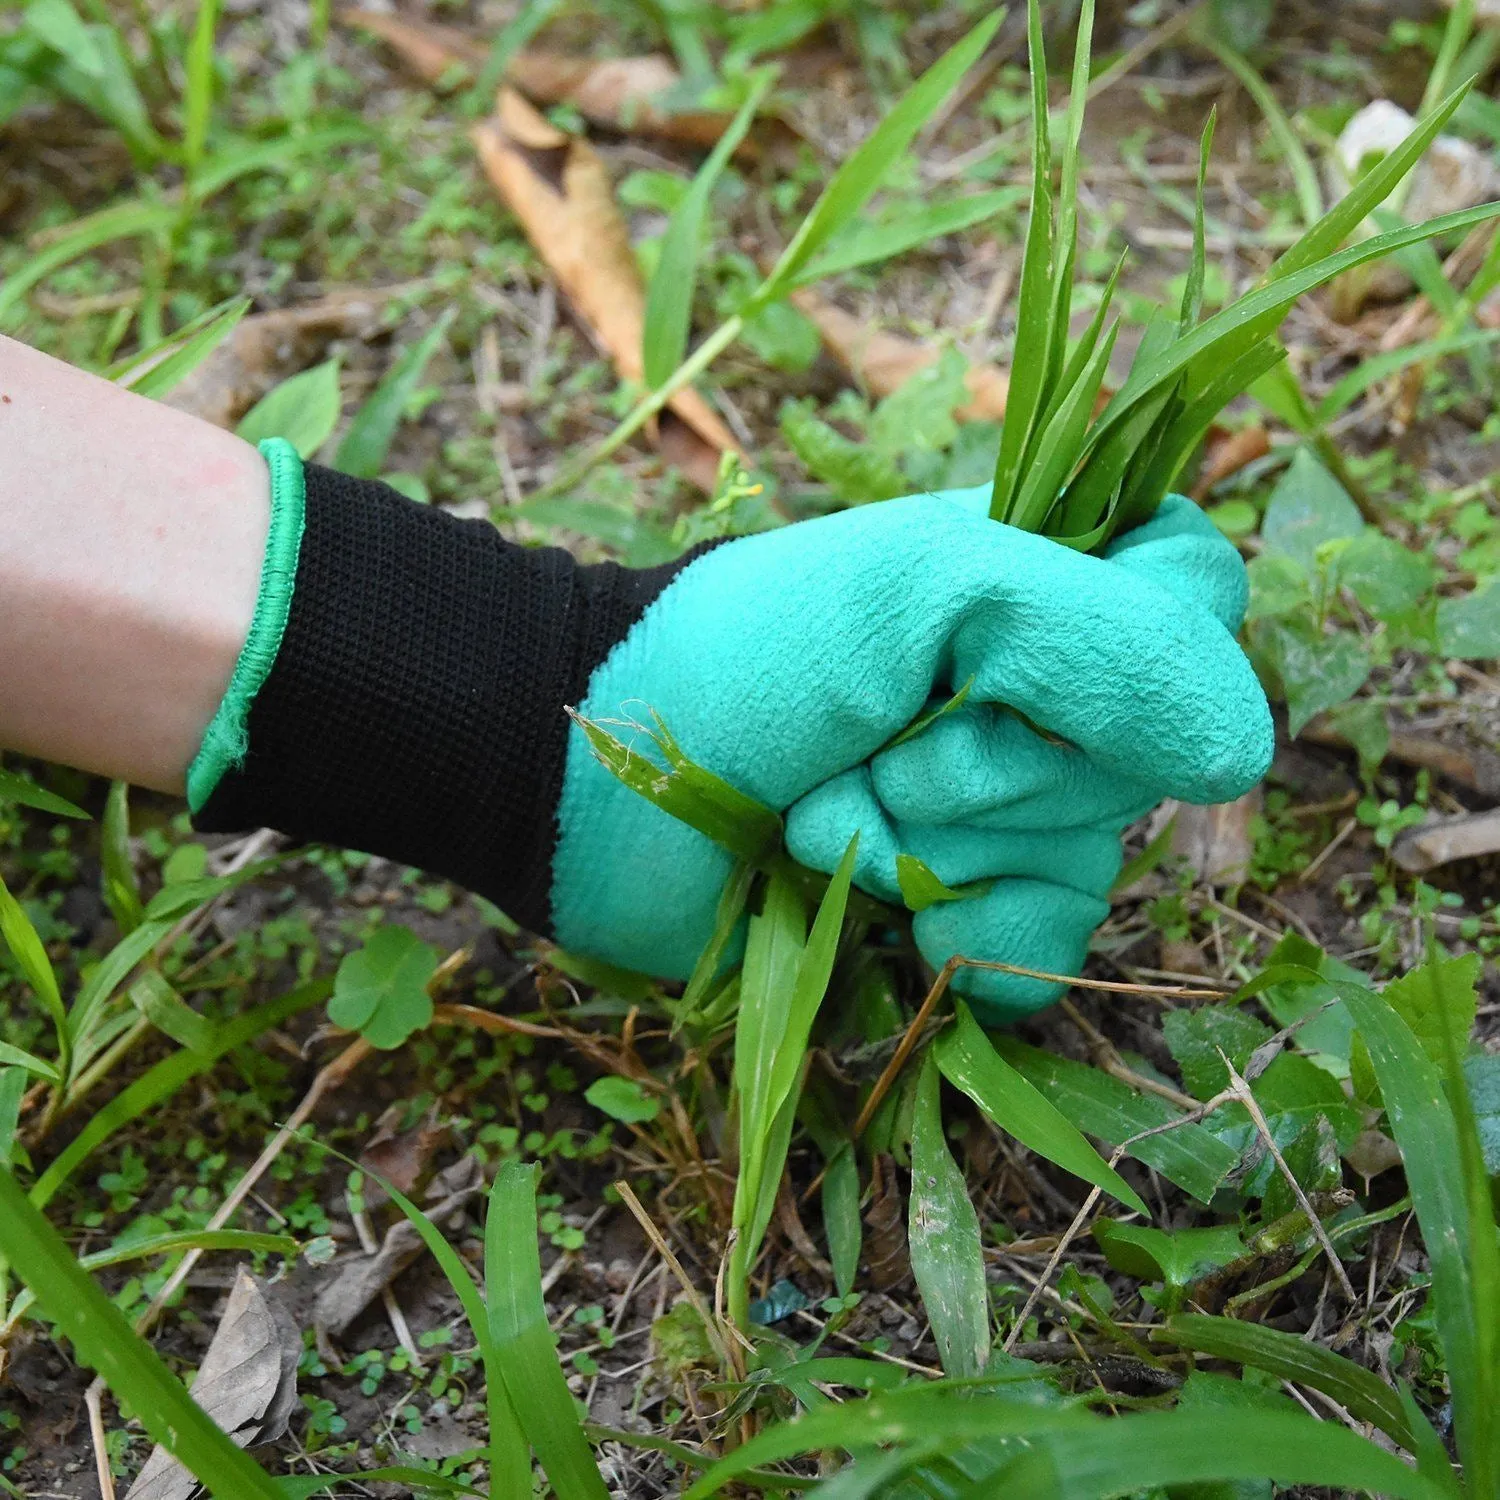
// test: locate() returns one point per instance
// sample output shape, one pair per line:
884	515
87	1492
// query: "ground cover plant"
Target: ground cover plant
1222	1222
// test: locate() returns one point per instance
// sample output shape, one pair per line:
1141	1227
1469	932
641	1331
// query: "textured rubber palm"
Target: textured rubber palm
785	660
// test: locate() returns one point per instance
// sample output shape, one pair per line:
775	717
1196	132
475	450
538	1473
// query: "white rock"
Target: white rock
1452	175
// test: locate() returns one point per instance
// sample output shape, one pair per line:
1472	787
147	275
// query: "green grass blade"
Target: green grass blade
669	300
1423	1124
122	890
367	443
246	1241
159	379
862	244
104	1340
748	829
1455	34
1035	324
199	102
230	162
1190	1156
15	788
128	221
1229	333
1283	132
1066	249
13	1082
1151	1449
19	1057
414	1481
1192	294
949	1412
1060	441
1346	391
36	968
947	1252
1368	193
509	1456
969	1062
164	1080
863	172
814	970
509	40
1289	1357
524	1347
773	955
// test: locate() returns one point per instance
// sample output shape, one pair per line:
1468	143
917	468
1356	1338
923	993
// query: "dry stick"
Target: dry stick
1240	1090
94	1400
710	1323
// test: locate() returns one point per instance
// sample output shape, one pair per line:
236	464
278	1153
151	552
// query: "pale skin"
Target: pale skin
129	564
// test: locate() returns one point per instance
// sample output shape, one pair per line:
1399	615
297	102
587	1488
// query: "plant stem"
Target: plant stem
648	406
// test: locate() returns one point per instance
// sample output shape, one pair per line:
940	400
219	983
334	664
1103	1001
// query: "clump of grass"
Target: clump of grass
1068	473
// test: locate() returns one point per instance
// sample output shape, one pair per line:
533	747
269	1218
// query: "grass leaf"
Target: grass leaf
163	377
524	1348
198	102
862	173
862	244
15	788
1190	1156
669	301
1289	1357
104	1340
1035	325
36	969
970	1062
1150	1449
947	1252
1423	1125
163	1080
367	444
122	890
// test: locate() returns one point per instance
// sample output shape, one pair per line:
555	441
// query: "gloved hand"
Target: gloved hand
405	685
785	661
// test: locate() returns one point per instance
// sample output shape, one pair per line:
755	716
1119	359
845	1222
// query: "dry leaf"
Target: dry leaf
359	1282
1477	769
1433	844
559	188
1229	452
247	364
883	362
1217	841
402	1157
618	92
247	1383
887	1255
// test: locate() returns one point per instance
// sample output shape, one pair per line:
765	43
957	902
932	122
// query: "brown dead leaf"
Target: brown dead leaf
620	93
1227	453
886	1252
248	363
1217	842
883	362
359	1282
1425	848
247	1383
403	1157
559	188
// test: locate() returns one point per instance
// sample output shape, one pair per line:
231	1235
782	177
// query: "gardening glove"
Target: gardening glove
405	685
1029	824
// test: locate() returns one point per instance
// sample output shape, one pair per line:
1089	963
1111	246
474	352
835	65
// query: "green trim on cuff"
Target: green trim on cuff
227	738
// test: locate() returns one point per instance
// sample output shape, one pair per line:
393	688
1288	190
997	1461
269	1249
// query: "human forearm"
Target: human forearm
129	564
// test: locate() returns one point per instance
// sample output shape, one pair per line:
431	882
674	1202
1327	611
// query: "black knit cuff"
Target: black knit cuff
415	708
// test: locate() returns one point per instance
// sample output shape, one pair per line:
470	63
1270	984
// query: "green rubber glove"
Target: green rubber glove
784	662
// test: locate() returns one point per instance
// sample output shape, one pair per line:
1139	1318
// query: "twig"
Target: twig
711	1324
1113	1064
1240	1090
94	1400
1350	824
1068	1236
